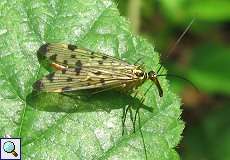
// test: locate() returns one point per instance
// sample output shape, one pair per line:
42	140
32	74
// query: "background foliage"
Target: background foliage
203	57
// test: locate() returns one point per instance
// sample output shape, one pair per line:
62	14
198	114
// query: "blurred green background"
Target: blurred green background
202	56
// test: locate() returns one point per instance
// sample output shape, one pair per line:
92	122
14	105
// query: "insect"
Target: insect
81	69
78	68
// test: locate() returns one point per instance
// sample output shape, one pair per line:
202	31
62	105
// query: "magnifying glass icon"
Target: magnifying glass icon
9	147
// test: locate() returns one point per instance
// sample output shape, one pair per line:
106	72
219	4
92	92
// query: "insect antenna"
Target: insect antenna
171	50
179	77
176	43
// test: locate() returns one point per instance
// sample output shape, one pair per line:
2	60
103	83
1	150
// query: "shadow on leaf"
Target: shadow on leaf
82	101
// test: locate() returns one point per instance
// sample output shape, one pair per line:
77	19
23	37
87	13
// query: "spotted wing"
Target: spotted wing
71	55
83	69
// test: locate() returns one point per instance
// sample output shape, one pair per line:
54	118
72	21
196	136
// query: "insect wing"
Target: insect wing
78	69
70	55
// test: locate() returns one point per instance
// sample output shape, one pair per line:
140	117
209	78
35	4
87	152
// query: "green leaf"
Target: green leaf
54	126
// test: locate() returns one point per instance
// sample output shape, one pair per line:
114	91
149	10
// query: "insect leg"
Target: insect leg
137	113
142	101
135	116
138	60
142	137
125	111
131	116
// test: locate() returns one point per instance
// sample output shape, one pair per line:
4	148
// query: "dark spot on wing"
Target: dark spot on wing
73	56
53	57
78	63
104	57
102	80
100	62
78	67
92	55
38	85
50	76
88	84
42	51
65	62
69	79
77	70
72	47
97	73
67	88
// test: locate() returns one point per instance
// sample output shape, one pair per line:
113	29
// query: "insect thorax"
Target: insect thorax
141	76
140	73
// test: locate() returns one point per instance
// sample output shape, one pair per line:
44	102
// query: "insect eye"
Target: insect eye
151	74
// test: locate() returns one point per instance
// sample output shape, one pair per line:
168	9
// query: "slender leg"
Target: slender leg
125	111
123	121
142	136
137	113
133	120
138	60
131	117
